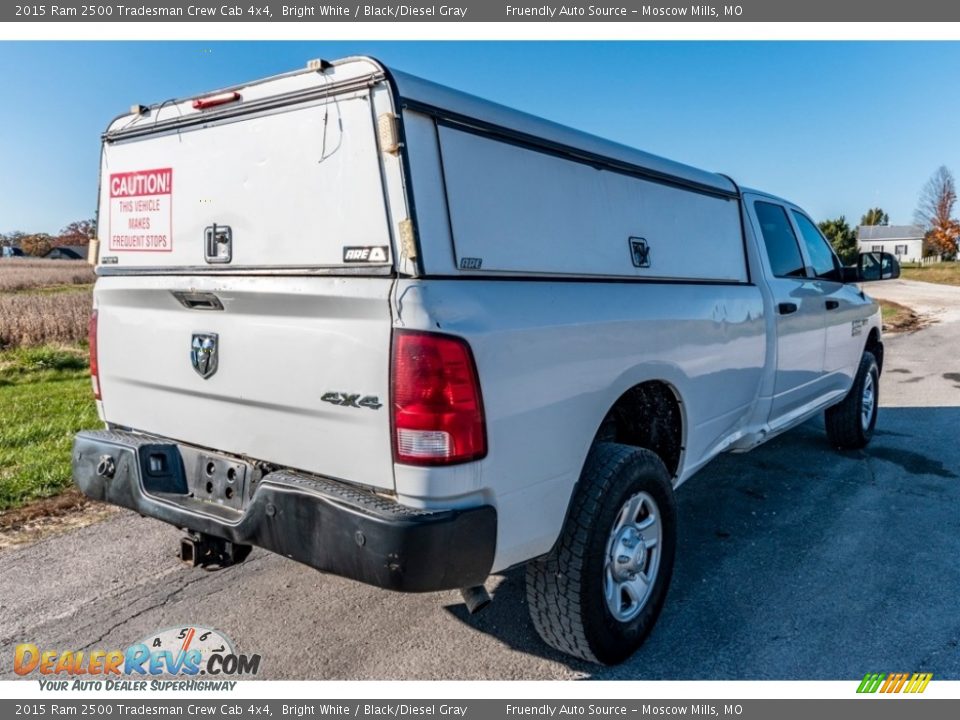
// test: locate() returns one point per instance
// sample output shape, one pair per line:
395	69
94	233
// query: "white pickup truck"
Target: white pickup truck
414	338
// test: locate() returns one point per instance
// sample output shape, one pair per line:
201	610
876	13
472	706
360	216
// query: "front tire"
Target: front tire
850	423
599	592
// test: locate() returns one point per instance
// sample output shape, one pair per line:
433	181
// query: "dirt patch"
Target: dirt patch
899	318
50	516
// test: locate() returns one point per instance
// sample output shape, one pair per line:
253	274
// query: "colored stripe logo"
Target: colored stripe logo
894	683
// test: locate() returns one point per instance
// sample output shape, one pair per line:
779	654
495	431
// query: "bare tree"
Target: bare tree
935	212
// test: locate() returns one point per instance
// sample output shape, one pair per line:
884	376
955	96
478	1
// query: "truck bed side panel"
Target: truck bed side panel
554	356
520	210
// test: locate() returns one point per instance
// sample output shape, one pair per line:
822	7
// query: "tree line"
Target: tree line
934	216
77	233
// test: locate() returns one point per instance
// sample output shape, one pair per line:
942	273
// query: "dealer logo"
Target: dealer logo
182	652
894	683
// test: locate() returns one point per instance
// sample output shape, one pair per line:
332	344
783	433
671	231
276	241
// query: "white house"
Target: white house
904	241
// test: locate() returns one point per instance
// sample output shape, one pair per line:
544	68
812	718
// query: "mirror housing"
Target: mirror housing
873	266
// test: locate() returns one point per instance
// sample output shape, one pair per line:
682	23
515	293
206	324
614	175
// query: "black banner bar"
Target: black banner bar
226	708
618	11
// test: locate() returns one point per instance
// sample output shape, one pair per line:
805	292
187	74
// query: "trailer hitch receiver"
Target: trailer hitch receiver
207	551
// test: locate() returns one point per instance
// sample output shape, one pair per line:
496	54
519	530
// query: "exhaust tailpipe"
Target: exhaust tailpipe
476	598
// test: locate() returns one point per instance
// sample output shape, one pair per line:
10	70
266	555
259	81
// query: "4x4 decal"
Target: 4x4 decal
351	400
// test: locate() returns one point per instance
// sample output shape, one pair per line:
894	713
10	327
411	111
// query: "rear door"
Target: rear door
798	302
284	187
243	304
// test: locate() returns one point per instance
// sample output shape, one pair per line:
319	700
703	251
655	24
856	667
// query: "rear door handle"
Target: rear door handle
786	308
198	300
833	304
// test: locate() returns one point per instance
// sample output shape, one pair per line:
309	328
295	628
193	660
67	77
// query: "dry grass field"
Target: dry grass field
44	301
28	319
17	274
945	273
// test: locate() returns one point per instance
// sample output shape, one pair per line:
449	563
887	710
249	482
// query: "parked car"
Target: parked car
411	337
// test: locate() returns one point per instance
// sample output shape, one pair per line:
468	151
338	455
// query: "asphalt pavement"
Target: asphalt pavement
794	562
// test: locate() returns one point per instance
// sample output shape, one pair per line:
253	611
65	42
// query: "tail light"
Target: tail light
437	408
94	363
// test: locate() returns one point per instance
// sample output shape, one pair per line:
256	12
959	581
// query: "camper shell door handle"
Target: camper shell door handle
218	243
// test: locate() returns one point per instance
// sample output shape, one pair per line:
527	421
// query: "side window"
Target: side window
781	242
825	263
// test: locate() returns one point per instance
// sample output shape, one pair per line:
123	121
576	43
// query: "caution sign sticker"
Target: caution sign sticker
141	210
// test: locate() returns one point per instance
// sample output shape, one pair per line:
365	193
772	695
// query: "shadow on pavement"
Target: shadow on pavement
798	562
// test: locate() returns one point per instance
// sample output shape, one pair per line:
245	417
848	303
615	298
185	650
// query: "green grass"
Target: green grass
45	398
56	289
892	311
945	273
889	310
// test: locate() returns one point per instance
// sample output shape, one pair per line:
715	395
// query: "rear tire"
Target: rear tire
850	423
599	592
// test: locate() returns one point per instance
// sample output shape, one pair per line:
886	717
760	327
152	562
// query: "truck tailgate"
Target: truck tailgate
300	375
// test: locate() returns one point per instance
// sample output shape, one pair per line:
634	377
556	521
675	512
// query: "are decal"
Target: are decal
141	211
366	253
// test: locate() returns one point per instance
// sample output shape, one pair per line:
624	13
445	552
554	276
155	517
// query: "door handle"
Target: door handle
786	308
198	300
833	304
218	243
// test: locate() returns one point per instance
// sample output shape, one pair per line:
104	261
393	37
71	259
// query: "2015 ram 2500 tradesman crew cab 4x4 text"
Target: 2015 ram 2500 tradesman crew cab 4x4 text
413	338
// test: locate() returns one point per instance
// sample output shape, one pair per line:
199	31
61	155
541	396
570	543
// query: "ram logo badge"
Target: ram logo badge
639	252
203	354
352	400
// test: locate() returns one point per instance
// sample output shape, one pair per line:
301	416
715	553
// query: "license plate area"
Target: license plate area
220	480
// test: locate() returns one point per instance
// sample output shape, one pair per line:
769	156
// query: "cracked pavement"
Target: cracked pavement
794	562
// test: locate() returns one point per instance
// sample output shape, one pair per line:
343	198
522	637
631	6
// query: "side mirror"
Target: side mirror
873	266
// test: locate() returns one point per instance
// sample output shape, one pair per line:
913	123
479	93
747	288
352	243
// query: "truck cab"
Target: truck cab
817	310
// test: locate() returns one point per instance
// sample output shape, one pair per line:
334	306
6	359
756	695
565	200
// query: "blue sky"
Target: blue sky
835	127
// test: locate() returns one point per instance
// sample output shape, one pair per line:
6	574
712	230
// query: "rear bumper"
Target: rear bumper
329	525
